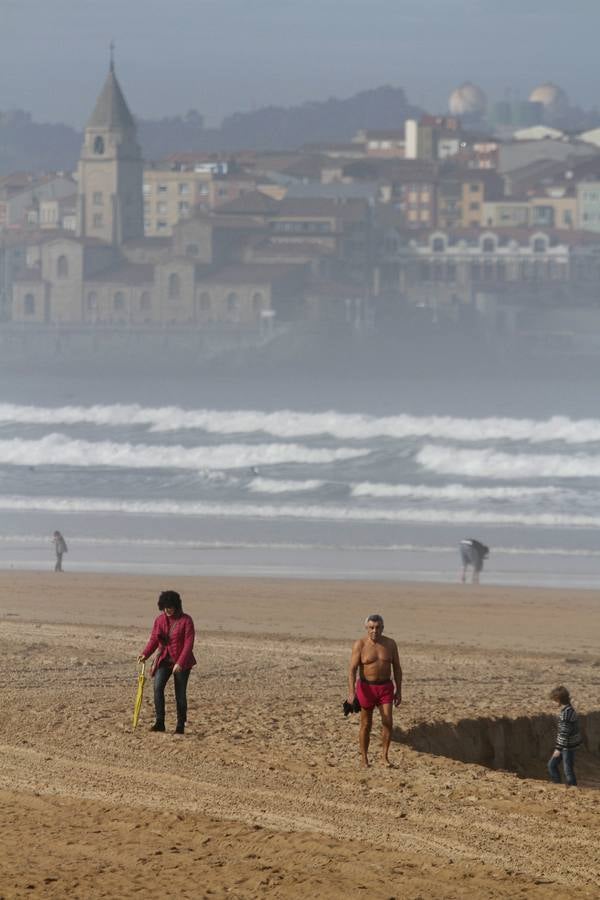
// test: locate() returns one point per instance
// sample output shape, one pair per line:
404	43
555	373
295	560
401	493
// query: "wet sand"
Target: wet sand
264	796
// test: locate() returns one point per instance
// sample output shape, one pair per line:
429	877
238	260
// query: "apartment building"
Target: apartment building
172	195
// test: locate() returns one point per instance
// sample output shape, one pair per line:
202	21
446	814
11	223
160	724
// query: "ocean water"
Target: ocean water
314	479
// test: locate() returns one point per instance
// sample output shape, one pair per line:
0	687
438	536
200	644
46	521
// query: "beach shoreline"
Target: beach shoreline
263	796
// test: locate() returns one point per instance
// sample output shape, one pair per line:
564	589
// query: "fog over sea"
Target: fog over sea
236	475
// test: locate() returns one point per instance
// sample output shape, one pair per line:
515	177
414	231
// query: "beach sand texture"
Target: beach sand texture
263	796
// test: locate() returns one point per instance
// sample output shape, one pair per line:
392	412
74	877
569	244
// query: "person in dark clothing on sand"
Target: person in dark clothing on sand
568	738
472	553
173	634
60	548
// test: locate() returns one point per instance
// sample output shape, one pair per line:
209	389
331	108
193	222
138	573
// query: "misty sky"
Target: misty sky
219	56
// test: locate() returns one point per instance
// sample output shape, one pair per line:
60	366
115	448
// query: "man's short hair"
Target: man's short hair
374	618
560	694
169	600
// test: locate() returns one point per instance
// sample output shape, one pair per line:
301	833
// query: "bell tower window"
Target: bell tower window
99	145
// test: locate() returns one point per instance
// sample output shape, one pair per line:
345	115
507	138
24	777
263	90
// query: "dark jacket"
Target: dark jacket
174	635
568	736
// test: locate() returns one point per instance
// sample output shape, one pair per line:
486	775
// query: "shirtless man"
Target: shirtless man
374	658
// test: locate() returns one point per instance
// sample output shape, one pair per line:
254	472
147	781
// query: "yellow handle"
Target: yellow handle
142	667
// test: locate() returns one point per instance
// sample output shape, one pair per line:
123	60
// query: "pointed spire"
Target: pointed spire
111	110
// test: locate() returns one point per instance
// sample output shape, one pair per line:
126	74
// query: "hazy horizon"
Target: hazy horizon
231	56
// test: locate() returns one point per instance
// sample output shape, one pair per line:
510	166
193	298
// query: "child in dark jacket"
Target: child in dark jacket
568	739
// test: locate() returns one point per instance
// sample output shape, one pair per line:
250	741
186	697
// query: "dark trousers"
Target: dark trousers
567	757
161	676
58	567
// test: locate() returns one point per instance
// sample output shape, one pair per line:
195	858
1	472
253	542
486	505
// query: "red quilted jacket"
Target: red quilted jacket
174	635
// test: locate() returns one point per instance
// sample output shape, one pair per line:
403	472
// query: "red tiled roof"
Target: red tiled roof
252	203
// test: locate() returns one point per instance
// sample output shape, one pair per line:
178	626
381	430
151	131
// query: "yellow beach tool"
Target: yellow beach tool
140	692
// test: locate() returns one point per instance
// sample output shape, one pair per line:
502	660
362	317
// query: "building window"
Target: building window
119	301
539	245
97	198
92	300
174	288
437	245
488	245
184	188
147	187
233	306
161	225
99	145
161	208
474	206
474	188
146	301
29	305
184	207
62	267
258	303
98	220
192	250
162	188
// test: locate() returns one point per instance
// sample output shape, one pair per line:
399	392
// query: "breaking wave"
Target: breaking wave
291	424
488	463
313	512
272	486
57	449
447	492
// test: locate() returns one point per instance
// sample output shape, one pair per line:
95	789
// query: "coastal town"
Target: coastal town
485	217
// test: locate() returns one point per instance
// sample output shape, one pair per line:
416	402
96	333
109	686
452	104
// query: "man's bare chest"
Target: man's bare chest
375	653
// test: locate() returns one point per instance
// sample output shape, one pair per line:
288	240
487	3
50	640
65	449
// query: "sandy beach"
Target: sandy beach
263	796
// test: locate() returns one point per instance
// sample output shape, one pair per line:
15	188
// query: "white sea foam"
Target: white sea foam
451	492
490	464
273	486
57	449
287	511
291	424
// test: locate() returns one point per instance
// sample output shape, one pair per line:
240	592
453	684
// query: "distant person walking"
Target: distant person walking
472	553
60	548
173	634
568	738
375	658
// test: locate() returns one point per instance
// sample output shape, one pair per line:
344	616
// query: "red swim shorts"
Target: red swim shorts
371	695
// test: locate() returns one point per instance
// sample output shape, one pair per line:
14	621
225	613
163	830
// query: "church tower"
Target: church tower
111	170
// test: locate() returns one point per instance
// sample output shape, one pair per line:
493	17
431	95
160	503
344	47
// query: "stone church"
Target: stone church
108	273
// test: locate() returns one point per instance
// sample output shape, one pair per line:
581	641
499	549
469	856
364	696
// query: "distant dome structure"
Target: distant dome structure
550	96
467	100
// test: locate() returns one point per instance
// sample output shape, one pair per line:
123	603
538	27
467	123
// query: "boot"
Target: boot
158	726
180	728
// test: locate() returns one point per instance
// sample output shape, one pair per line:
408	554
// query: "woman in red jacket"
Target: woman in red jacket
173	634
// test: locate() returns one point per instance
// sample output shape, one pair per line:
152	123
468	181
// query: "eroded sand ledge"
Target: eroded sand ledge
263	796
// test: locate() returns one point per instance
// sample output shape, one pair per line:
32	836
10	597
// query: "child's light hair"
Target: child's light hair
560	694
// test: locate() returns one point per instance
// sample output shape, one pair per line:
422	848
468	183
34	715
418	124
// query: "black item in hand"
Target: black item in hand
353	707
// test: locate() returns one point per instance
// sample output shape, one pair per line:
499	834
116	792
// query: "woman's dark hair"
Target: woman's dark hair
169	600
